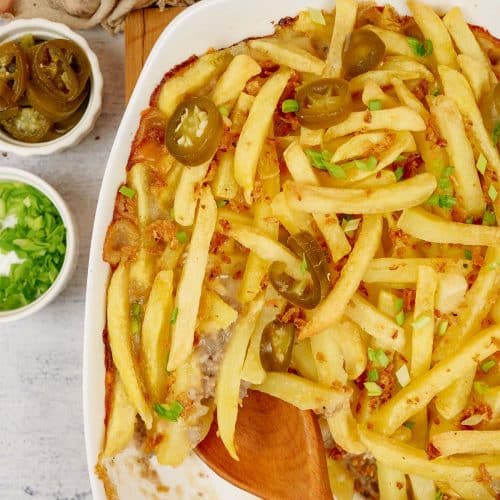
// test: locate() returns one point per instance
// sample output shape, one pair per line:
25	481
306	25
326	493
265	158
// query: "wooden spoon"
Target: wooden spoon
280	450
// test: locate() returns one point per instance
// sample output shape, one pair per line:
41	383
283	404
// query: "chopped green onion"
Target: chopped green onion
442	201
398	304
321	160
495	135
421	49
469	220
492	192
336	171
368	164
373	389
489	218
181	236
372	375
403	376
173	316
350	225
493	265
399	172
436	91
481	163
422	321
316	16
170	412
481	387
443	326
172	213
444	180
409	424
303	264
439	495
289	106
400	318
127	191
378	357
375	105
136	314
221	203
224	110
468	254
487	365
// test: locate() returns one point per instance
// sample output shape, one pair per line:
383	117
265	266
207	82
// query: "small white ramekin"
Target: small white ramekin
41	28
69	264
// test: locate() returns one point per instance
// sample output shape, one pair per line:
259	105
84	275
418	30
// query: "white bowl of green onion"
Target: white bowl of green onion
38	244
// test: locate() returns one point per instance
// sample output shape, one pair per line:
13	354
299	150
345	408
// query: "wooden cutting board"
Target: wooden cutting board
142	29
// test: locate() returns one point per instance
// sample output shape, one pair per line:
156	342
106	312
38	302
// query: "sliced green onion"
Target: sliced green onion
221	203
469	220
436	91
303	264
492	192
481	163
400	318
489	218
373	389
443	326
170	412
172	213
495	135
375	105
409	424
181	236
439	495
372	375
316	16
399	172
173	316
420	49
378	357
422	321
127	191
223	110
403	376
468	254
136	314
493	265
487	365
368	164
350	225
442	201
481	387
398	304
289	106
321	160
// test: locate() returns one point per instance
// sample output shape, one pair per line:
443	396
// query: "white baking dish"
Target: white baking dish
210	23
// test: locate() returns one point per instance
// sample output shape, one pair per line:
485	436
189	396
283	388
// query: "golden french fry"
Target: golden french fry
381	77
361	145
419	392
373	92
391	483
341	480
333	306
192	79
155	334
309	137
121	421
228	385
233	217
215	314
381	178
352	346
293	221
404	194
224	184
166	195
398	63
395	43
429	227
345	18
286	54
408	98
142	273
188	294
471	489
477	74
465	176
400	118
471	441
233	80
255	131
139	180
422	488
303	361
434	30
120	342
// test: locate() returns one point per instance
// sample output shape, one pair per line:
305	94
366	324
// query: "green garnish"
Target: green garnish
181	236
489	218
173	316
350	225
439	495
398	304
421	321
316	16
487	365
436	92
369	164
468	254
493	265
166	361
223	110
400	318
481	387
469	220
170	412
443	326
33	236
136	316
399	172
409	424
321	160
442	201
420	49
378	357
373	389
481	163
492	192
289	106
375	105
303	264
495	135
444	180
127	191
220	203
372	375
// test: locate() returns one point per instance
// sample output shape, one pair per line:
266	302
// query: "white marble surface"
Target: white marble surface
42	452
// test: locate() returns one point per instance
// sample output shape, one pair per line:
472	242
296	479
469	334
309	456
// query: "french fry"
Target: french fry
422	488
120	342
382	178
381	77
215	314
404	194
238	218
465	40
142	273
471	441
322	32
293	221
465	177
391	483
192	79
372	321
121	421
405	271
429	227
333	306
255	131
395	43
456	86
398	63
419	392
411	460
139	180
345	18
471	489
352	346
233	80
303	361
155	334
286	54
166	195
302	393
373	92
477	75
185	197
408	98
187	298
361	145
224	184
309	137
434	30
341	480
228	385
241	110
399	118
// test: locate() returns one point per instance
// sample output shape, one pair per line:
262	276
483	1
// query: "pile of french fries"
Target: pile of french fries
400	359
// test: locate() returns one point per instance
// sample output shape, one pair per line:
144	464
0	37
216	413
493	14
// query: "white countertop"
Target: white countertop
42	453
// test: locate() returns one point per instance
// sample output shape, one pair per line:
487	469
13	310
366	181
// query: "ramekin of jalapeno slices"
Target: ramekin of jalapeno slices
50	87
